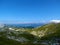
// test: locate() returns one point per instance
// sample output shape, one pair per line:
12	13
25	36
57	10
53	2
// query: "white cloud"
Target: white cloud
55	21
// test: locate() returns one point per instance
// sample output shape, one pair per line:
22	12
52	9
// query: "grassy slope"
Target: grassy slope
52	31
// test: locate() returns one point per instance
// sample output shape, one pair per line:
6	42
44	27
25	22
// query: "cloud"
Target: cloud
55	21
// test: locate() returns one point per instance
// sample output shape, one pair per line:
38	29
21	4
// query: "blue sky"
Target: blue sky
20	11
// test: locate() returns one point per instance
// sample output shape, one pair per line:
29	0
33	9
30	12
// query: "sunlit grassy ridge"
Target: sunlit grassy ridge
53	31
49	28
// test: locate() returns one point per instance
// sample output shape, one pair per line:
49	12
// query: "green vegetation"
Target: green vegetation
26	36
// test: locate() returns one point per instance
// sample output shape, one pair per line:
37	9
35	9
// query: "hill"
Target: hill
46	34
49	33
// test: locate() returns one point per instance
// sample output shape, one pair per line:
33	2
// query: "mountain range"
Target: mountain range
46	34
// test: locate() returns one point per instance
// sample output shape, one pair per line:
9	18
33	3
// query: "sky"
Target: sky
29	11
